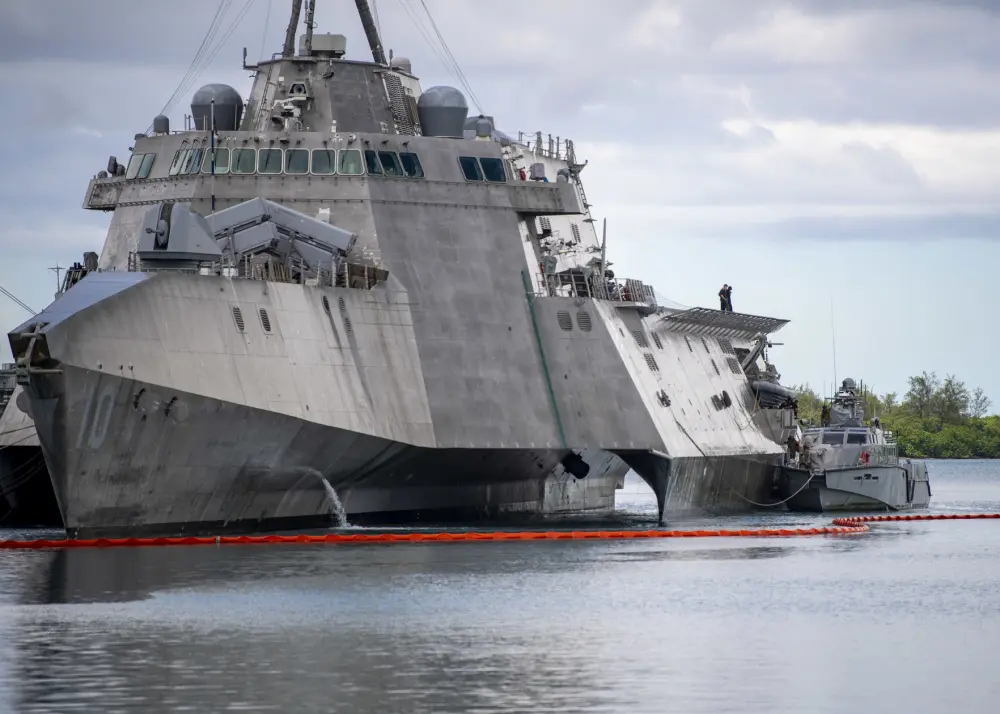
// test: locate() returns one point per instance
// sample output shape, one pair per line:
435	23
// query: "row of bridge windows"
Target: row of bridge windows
321	162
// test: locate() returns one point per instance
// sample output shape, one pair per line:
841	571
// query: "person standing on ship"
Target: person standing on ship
729	298
724	298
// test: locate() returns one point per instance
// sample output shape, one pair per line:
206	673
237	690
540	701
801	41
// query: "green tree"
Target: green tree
810	404
919	397
979	403
950	402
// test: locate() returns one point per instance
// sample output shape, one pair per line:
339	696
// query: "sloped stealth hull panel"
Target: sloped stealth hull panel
707	485
131	457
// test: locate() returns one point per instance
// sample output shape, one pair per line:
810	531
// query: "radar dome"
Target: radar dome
228	107
442	111
161	125
402	64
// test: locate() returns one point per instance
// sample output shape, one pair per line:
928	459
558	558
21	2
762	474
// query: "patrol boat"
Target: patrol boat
848	465
349	282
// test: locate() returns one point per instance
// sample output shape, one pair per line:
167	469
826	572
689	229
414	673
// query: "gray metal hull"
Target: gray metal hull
855	489
157	412
127	465
707	485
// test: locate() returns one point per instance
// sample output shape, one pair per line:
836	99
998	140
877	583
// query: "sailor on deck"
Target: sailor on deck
724	298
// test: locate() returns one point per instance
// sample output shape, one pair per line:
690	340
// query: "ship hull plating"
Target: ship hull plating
863	489
129	457
707	485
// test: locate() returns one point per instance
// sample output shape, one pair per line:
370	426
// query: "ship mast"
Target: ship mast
367	21
371	32
288	50
307	46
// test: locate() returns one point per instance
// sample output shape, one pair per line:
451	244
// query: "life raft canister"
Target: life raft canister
865	458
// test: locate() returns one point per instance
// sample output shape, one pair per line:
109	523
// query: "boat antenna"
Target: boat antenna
371	32
288	50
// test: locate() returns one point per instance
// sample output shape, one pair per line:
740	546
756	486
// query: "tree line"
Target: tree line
935	418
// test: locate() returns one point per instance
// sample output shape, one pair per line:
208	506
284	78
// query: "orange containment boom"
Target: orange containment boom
841	526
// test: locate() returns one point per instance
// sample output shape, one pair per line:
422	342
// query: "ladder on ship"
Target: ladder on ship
583	197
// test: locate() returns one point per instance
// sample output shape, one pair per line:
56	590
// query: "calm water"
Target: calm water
905	619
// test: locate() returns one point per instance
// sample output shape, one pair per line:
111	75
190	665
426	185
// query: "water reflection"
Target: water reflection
780	626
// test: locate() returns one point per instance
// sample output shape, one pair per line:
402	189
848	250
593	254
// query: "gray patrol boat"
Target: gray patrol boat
848	465
349	282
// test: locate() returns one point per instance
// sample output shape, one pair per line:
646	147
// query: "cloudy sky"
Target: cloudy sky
808	152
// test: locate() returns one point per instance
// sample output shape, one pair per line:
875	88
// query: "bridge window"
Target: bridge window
857	437
470	167
833	438
372	163
193	161
147	165
297	161
178	161
411	165
269	161
493	169
133	166
390	163
324	161
221	161
244	161
350	162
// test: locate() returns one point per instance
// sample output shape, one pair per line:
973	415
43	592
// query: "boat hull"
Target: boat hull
708	485
126	459
877	488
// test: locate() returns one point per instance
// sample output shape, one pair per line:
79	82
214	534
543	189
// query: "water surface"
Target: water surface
906	618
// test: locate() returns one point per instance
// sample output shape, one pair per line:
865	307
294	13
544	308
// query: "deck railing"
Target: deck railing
594	287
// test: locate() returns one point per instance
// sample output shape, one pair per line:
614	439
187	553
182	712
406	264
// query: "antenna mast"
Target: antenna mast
288	50
371	31
310	10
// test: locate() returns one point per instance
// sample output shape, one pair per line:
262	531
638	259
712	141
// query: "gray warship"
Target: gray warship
849	465
348	282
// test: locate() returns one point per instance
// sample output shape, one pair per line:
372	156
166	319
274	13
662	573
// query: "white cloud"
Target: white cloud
789	35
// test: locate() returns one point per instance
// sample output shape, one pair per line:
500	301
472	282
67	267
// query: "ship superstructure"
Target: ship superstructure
346	278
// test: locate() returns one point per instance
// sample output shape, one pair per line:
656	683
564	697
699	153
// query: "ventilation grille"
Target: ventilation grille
265	321
727	347
651	362
238	316
716	367
640	338
326	304
734	365
397	103
583	320
705	345
565	321
545	224
576	232
688	342
656	339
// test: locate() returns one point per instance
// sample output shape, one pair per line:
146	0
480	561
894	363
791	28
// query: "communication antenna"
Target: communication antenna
58	271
